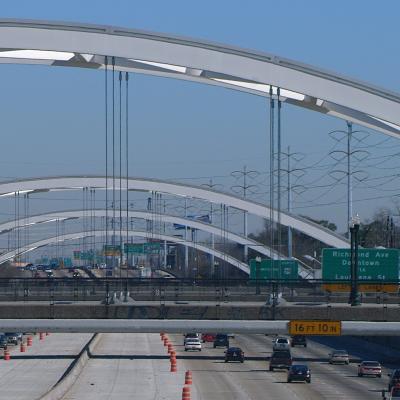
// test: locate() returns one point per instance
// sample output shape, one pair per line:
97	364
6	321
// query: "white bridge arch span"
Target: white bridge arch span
151	185
74	214
86	46
75	236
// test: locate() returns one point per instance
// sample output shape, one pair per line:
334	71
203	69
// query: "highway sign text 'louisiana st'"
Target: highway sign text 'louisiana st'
373	265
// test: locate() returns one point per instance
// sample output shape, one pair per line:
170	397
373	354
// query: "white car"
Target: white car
281	343
192	344
189	336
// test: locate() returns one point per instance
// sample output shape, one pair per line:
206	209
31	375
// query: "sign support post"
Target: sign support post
354	299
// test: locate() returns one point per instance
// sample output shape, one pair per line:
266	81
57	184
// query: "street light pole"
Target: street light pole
354	226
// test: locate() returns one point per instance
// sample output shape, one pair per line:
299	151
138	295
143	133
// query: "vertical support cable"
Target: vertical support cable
113	157
120	173
27	224
127	163
271	167
279	228
93	227
18	227
106	123
289	206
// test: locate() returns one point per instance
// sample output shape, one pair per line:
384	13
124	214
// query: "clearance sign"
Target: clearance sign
328	328
378	269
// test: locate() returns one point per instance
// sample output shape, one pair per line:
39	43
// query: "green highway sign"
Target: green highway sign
274	269
152	248
133	248
142	248
373	264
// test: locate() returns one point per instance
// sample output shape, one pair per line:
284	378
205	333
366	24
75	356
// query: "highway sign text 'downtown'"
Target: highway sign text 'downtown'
374	265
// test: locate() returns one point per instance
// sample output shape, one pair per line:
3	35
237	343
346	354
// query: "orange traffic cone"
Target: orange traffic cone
186	393
188	378
7	355
174	365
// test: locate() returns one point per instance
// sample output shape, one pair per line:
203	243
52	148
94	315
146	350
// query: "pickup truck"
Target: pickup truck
281	359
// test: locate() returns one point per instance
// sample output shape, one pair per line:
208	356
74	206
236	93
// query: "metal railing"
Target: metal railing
110	290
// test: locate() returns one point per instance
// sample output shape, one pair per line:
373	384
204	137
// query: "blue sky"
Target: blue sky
52	117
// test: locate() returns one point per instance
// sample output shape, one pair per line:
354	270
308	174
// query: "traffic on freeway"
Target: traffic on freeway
145	366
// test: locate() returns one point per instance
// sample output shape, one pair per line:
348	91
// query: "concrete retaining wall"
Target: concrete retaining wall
199	312
58	391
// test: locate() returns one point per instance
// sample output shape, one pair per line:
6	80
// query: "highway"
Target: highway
127	366
29	375
135	366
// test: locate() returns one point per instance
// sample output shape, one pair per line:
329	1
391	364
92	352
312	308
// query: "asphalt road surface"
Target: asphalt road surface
135	366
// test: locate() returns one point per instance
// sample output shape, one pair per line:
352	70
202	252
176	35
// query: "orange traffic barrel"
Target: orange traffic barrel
41	336
170	347
166	341
6	355
29	341
186	393
47	333
172	353
174	365
22	347
188	378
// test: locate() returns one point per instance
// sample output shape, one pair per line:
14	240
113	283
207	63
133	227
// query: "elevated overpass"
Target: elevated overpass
359	328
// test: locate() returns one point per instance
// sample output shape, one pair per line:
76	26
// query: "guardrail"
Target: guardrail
110	290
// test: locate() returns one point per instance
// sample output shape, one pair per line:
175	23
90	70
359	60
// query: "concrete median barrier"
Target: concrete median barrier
58	391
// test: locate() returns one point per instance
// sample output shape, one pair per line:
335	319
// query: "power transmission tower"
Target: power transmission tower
244	188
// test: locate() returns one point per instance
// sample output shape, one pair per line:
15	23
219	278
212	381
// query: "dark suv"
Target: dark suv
394	379
234	354
281	359
298	340
221	340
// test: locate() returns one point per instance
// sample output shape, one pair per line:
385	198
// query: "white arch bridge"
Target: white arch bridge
151	185
88	46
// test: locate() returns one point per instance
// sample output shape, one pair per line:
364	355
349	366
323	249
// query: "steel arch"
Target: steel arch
74	214
85	46
151	185
73	236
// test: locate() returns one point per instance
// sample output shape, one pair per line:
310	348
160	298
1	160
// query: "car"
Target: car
49	273
231	335
370	368
221	340
280	359
234	354
208	337
13	338
394	393
394	379
298	340
299	373
339	357
3	341
281	343
191	336
76	274
192	344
